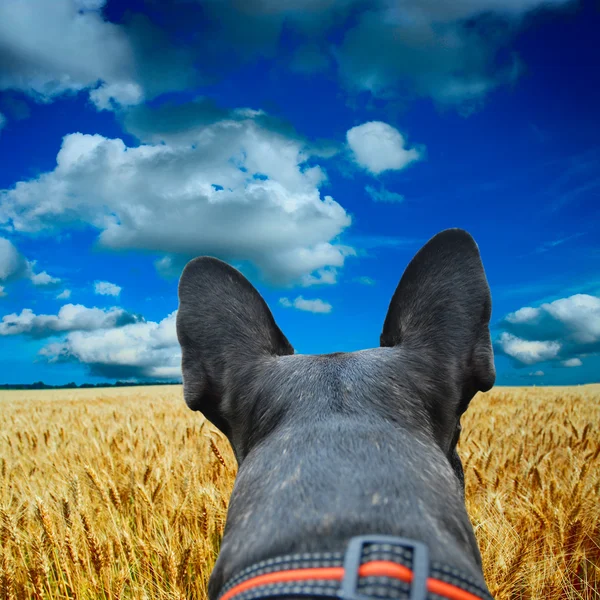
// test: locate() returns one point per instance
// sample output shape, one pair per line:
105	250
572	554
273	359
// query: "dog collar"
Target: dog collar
379	566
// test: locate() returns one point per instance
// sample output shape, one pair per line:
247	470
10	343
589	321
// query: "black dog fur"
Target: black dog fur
338	445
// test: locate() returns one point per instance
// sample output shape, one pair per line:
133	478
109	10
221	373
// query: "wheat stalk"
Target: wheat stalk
154	511
7	578
217	452
97	553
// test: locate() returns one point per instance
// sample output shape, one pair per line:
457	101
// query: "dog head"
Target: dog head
436	330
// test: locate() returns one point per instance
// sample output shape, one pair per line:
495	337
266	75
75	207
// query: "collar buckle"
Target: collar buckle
353	558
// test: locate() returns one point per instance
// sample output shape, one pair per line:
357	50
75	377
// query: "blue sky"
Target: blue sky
315	145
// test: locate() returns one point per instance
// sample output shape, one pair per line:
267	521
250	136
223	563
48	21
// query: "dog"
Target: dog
349	484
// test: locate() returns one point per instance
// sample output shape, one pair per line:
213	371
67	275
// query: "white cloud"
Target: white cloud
575	319
528	352
327	275
379	147
424	48
48	49
111	96
138	350
105	288
523	315
449	51
43	279
2	292
434	49
561	330
70	317
61	46
233	188
13	266
537	373
2	121
580	316
64	295
316	306
383	195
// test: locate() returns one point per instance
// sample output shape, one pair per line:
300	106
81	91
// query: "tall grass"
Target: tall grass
532	462
122	493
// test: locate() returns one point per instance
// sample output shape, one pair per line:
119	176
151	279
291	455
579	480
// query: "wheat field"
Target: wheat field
122	493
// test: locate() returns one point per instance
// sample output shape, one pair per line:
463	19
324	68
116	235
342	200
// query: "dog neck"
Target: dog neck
321	463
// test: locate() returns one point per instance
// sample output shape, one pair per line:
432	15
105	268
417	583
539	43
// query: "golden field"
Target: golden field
122	493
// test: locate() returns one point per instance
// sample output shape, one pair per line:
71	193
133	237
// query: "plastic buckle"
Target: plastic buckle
352	562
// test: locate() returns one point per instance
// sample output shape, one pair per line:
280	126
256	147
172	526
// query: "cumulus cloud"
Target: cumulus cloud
105	288
575	319
2	292
379	147
234	189
70	317
134	351
327	276
179	124
564	330
49	48
316	306
446	51
116	95
64	295
537	373
528	352
14	266
383	195
43	279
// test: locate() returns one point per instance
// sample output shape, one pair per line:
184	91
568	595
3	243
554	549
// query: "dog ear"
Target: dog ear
440	312
225	329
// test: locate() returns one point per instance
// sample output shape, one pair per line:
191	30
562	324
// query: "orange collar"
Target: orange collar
271	578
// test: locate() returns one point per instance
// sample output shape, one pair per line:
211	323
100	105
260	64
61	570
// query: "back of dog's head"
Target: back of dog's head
332	445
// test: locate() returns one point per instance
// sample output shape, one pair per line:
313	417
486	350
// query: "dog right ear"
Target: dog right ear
440	315
225	329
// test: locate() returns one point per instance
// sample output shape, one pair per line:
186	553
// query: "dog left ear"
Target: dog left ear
225	329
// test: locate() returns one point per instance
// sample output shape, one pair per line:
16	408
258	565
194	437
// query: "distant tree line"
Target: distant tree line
40	385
